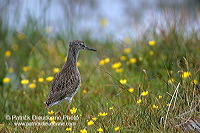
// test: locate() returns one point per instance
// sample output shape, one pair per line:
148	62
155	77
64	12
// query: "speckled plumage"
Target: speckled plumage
66	83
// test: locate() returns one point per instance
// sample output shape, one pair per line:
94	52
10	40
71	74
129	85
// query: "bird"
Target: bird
67	82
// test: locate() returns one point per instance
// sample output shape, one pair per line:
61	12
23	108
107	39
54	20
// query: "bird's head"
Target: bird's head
79	45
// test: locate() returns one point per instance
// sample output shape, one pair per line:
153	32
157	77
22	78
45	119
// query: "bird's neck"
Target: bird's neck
72	57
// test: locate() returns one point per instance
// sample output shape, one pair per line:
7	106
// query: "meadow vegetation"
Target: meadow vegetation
147	84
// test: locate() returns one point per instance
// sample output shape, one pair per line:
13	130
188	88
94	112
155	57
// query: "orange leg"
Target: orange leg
68	113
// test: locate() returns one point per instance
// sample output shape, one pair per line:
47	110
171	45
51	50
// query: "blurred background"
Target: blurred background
100	18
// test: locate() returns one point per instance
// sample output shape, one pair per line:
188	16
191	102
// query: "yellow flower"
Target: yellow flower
140	59
8	53
100	130
171	80
139	101
24	81
111	108
194	82
103	22
144	93
133	60
26	68
159	97
131	90
151	53
51	118
152	43
10	70
123	81
169	104
94	118
90	123
117	128
49	79
78	64
56	70
123	58
6	80
84	91
101	63
119	70
40	80
53	122
20	36
73	110
51	112
186	74
127	50
32	85
102	114
106	60
127	40
154	106
68	129
83	131
117	65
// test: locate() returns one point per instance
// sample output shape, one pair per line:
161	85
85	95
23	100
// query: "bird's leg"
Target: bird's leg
59	114
68	112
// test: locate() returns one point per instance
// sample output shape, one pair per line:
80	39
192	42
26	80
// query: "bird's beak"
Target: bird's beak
87	48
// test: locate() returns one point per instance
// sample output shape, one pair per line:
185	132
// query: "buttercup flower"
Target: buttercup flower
127	50
117	128
68	129
51	112
144	93
123	58
131	90
90	123
26	68
56	70
119	70
10	70
151	53
139	101
8	53
159	97
83	131
6	80
73	110
123	81
100	130
78	64
152	43
24	81
154	106
49	79
111	108
40	80
102	114
194	82
117	65
171	80
32	85
186	74
132	60
94	118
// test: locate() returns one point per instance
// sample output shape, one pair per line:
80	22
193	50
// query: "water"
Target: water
124	18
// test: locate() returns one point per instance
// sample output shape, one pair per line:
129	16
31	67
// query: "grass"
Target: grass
172	98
